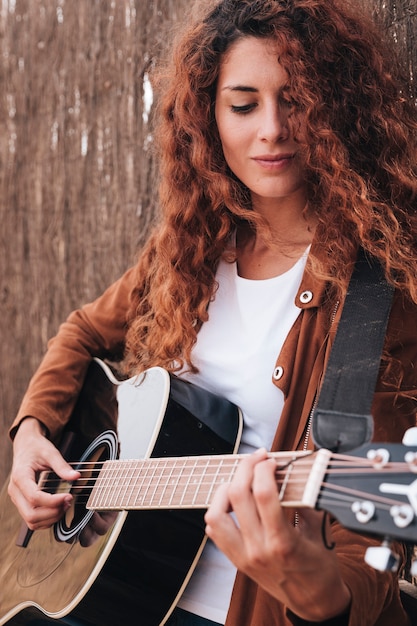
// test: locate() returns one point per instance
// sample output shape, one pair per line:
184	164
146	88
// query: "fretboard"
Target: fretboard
190	482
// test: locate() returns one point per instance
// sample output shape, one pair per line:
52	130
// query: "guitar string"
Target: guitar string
339	497
339	492
97	468
108	467
296	460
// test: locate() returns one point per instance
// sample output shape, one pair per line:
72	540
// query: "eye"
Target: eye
242	109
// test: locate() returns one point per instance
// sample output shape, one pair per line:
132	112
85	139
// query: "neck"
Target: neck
272	250
190	482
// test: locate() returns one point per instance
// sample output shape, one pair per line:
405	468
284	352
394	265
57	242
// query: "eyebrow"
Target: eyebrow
247	89
240	88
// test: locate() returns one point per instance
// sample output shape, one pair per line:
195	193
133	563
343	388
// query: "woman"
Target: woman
286	143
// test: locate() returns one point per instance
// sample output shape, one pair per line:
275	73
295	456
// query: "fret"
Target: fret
119	477
176	478
95	499
199	483
155	482
186	487
284	483
131	483
167	481
108	485
142	474
218	470
179	478
214	483
150	487
125	481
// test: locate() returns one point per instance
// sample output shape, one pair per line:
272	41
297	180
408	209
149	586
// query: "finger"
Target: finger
241	492
217	514
33	452
221	502
101	522
266	496
49	458
63	469
225	529
87	537
220	525
38	507
43	458
37	517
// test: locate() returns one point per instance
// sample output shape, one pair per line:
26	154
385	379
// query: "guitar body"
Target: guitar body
137	571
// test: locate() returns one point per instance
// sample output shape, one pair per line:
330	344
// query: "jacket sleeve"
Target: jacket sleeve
375	595
394	407
97	329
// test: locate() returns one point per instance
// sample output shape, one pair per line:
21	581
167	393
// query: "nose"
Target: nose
273	125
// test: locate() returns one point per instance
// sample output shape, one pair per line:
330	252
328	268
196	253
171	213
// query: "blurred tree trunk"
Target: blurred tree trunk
399	19
77	174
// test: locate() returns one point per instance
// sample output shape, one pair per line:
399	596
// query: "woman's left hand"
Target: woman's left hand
291	563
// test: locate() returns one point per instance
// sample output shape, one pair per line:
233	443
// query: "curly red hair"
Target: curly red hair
358	129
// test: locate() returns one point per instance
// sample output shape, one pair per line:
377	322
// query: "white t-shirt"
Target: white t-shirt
236	352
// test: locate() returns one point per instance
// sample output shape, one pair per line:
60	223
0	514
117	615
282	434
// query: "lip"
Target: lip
274	161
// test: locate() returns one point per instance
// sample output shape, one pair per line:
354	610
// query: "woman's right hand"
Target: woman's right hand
32	454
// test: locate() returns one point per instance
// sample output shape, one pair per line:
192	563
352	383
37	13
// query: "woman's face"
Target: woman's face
253	107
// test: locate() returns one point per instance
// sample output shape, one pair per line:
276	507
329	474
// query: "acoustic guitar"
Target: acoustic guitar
151	451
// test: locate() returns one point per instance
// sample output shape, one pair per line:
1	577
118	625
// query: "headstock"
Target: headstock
373	490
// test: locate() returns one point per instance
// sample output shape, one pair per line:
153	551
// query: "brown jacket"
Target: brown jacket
98	329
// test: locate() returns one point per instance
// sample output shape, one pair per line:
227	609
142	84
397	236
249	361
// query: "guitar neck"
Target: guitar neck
190	482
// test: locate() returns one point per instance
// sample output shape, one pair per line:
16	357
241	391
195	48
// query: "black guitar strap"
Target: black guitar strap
342	419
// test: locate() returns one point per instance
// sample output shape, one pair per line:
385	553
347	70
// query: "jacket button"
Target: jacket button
306	297
278	372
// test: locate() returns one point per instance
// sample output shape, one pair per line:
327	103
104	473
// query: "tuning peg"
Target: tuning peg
382	558
410	437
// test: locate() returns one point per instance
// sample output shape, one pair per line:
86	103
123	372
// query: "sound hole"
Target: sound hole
103	448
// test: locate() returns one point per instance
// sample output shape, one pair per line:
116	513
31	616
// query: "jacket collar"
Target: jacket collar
312	289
